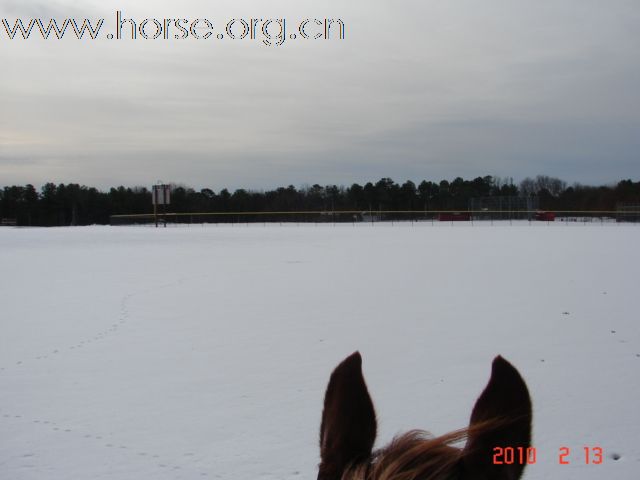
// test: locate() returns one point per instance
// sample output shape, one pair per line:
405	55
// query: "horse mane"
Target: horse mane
417	454
414	454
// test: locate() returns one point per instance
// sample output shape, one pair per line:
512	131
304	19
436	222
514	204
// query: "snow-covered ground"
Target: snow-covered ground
204	351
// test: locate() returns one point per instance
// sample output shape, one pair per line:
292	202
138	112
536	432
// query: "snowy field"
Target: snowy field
203	352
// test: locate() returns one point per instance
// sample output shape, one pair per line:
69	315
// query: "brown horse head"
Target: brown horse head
501	418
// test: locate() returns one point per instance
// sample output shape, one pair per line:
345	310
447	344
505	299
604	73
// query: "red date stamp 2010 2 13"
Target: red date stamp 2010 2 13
528	456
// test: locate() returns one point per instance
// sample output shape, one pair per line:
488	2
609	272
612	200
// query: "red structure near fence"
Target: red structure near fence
545	216
454	217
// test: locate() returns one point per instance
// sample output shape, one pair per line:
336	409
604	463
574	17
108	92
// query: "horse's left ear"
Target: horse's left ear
501	418
348	428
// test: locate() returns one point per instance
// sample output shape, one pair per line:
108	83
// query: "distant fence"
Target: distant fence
627	212
353	216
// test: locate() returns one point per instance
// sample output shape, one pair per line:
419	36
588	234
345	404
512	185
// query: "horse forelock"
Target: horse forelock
417	455
413	455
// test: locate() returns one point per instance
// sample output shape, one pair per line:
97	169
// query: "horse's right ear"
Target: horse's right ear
501	418
348	428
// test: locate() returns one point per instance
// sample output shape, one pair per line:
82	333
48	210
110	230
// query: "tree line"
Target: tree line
73	204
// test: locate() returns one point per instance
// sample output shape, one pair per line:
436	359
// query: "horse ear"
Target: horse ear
501	418
348	427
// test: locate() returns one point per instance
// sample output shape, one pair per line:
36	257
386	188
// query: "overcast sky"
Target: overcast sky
428	89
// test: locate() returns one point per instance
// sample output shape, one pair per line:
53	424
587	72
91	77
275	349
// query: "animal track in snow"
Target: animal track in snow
165	463
185	463
122	318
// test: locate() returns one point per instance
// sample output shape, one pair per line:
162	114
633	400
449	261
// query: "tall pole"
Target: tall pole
164	206
155	205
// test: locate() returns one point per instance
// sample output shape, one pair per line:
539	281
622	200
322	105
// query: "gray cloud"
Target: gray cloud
417	90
